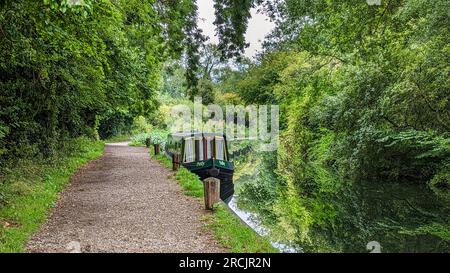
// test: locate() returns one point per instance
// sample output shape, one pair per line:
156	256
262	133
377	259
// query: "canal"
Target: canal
385	216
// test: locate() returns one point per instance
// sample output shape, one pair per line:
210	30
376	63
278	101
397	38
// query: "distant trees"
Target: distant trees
204	75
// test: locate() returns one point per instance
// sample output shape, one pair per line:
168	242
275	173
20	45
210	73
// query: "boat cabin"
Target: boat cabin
197	146
205	154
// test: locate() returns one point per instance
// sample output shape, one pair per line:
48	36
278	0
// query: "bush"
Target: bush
3	132
115	123
157	137
440	184
140	125
407	155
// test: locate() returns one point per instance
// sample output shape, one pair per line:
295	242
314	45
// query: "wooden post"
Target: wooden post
157	149
175	162
148	142
211	187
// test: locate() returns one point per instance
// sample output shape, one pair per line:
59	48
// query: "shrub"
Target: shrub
140	125
157	137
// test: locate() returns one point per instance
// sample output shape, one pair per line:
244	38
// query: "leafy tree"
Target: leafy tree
210	61
231	22
82	69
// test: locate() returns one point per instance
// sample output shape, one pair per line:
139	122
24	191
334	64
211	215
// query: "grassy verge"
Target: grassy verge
136	144
31	188
234	234
228	229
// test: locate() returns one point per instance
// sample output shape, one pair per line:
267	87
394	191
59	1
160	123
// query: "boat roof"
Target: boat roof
182	135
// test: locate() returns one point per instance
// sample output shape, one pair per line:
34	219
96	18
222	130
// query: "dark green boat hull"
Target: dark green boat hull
204	169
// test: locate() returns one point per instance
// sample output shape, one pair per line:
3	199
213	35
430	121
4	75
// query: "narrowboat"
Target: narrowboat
205	154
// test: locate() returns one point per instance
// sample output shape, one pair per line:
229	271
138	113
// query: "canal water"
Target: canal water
385	216
253	221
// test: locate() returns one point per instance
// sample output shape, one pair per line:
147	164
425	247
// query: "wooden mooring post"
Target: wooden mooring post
148	142
157	149
211	187
176	162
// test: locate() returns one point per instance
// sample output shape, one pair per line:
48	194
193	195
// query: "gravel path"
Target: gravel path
124	202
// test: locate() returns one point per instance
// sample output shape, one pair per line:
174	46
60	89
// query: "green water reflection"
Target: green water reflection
402	217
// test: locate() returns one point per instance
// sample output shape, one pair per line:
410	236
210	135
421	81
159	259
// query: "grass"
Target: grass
136	144
235	235
163	159
227	228
31	188
190	182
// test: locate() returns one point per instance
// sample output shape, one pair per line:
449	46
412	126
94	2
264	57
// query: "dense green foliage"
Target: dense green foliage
368	100
231	22
71	70
364	96
157	136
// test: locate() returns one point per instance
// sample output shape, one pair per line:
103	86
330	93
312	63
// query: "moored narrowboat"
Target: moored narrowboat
205	154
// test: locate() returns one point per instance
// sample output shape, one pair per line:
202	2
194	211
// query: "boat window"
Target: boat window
220	148
199	146
208	147
189	154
